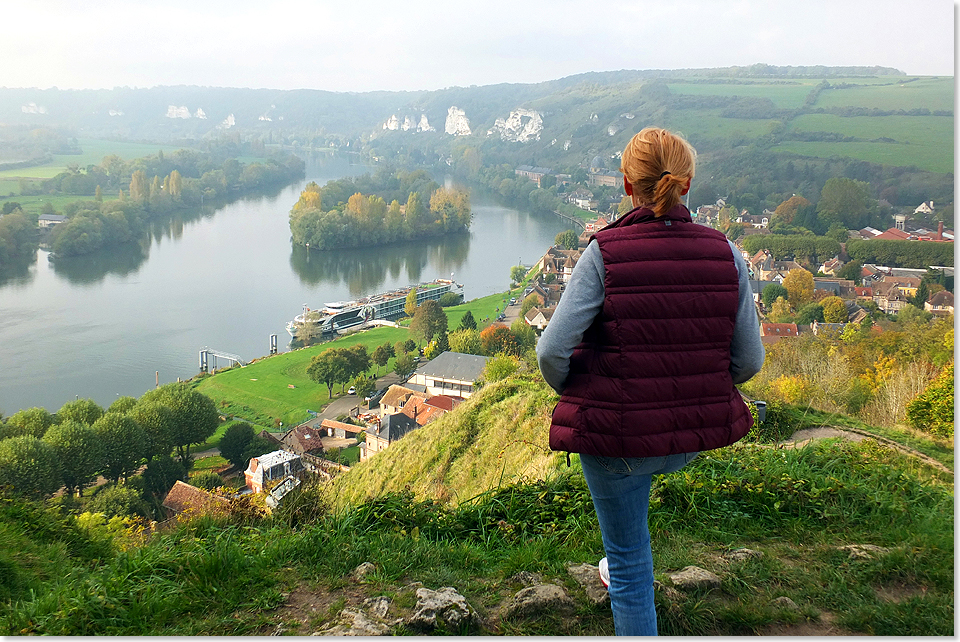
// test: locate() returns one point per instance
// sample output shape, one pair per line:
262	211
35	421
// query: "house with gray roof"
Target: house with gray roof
450	373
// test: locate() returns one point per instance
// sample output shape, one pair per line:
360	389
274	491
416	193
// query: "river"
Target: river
101	326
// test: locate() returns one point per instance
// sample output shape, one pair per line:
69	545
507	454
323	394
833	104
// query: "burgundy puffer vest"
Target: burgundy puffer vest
651	375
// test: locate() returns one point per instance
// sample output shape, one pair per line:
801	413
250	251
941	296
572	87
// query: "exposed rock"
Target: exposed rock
363	570
377	606
457	123
442	607
534	600
526	578
694	577
864	551
785	602
671	593
741	554
354	623
588	576
393	123
227	122
521	126
177	112
424	125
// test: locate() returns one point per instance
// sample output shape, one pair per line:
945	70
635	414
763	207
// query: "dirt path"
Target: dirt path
806	435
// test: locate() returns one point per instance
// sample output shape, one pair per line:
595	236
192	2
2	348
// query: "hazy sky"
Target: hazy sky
363	45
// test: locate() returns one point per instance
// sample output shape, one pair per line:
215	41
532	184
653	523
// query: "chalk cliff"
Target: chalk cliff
457	123
521	126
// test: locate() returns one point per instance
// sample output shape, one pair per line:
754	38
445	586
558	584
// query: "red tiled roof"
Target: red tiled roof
778	329
184	497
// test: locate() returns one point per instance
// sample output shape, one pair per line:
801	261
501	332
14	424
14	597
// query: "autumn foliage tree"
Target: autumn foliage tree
799	286
498	339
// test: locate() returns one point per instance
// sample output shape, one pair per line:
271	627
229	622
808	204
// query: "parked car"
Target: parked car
352	391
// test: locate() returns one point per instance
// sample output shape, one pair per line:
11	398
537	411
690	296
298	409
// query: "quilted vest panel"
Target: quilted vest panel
651	375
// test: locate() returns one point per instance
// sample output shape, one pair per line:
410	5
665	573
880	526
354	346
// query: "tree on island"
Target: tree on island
356	219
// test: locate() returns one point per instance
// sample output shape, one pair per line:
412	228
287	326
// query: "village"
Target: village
438	386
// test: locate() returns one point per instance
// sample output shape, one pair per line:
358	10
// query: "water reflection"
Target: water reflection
365	270
18	272
121	260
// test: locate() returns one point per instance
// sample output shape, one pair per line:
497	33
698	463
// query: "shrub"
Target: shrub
206	479
932	410
118	501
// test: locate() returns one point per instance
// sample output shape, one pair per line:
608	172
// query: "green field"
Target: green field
260	392
924	141
783	96
708	123
93	153
932	93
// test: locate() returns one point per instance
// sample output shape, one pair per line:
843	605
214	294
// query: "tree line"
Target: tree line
42	452
97	223
334	217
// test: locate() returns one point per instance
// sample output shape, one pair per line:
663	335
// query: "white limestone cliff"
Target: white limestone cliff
424	125
200	114
177	112
457	123
393	123
521	126
33	108
227	122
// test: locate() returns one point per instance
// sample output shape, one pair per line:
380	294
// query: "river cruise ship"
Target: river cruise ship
340	316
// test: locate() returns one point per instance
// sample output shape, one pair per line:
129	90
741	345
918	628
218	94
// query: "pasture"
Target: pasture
787	96
924	141
707	123
936	93
93	152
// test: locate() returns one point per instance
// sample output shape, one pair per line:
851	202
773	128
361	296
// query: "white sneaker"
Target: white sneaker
604	573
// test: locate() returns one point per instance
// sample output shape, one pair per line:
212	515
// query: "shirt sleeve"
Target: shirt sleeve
581	302
746	349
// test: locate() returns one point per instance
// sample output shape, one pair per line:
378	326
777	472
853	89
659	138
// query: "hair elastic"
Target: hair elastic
663	174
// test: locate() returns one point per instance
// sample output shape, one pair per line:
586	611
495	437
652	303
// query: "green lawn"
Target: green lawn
277	388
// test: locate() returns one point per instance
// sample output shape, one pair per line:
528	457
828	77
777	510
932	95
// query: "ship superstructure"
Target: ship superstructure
339	316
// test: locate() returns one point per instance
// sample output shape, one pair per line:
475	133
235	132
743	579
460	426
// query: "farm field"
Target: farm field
93	152
931	93
920	140
787	96
709	124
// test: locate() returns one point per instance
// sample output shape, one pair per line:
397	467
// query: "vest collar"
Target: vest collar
678	213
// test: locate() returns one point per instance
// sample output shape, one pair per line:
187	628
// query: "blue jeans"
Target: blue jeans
620	488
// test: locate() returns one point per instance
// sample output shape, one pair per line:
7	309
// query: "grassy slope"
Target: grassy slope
497	437
794	506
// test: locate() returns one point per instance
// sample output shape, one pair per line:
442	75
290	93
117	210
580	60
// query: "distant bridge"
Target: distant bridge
207	353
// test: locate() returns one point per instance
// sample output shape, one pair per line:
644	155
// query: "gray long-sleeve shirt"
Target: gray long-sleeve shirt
583	298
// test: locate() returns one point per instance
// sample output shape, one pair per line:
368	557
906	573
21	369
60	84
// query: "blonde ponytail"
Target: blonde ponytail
658	164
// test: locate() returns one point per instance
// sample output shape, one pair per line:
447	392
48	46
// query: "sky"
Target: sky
365	45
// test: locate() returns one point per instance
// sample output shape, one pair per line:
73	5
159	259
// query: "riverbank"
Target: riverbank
276	388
